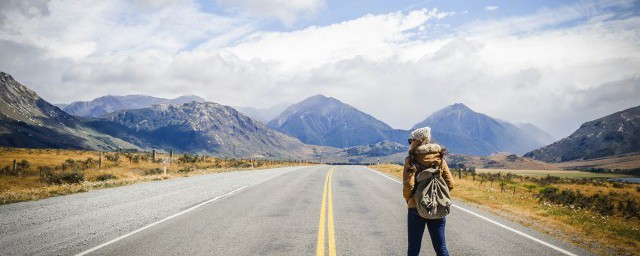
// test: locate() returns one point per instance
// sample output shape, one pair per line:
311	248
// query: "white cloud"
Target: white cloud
531	68
491	8
287	11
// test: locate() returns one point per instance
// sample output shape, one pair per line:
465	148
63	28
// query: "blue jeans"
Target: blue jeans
415	228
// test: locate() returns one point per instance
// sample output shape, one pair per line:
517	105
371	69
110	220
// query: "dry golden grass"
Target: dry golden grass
627	161
558	173
601	235
29	184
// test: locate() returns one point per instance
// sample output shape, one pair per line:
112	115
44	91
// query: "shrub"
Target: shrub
23	165
617	185
153	171
186	170
105	177
65	177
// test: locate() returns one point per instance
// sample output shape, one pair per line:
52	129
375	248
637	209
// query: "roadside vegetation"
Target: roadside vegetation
42	173
587	210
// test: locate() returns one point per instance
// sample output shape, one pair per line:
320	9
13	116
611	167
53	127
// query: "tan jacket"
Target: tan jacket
408	176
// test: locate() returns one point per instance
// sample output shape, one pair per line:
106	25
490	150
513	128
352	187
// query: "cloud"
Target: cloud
491	8
555	68
287	11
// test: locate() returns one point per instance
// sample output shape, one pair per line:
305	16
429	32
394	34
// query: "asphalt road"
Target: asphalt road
267	212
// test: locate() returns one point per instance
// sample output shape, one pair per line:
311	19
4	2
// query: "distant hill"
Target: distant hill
28	121
615	134
109	104
464	131
201	127
263	115
321	120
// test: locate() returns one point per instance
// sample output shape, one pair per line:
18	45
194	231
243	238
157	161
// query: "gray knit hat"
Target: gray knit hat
423	133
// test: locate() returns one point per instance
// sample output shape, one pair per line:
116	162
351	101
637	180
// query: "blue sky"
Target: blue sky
555	64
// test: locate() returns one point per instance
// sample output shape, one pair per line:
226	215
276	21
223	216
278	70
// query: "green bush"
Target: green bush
617	185
105	177
186	170
65	177
602	204
153	171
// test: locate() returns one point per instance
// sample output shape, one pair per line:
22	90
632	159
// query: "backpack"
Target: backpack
431	192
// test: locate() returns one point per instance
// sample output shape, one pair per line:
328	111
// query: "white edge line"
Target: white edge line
494	222
168	218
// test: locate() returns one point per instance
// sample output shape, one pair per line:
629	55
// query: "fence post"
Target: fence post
459	174
165	166
100	161
170	156
153	155
14	167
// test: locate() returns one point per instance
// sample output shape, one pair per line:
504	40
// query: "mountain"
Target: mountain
201	127
464	131
26	120
263	115
321	120
615	134
109	104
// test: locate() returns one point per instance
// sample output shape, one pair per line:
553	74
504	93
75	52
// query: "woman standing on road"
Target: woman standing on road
425	153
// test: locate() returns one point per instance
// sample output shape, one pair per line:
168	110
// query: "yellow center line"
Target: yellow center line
326	194
332	237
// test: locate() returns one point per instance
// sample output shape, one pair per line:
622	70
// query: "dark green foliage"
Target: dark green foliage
8	171
153	171
602	204
186	158
105	177
186	170
629	209
617	185
23	165
113	157
65	177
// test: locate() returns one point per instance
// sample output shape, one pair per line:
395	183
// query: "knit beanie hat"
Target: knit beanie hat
423	133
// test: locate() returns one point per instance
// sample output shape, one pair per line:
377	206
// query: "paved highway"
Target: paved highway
320	210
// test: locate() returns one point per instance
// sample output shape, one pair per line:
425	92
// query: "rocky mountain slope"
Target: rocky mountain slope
464	131
26	120
109	104
205	127
321	120
615	134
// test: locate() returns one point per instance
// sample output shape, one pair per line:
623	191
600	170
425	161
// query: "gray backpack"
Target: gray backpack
431	192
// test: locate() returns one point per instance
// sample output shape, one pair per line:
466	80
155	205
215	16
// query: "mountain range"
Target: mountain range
615	134
109	104
26	120
321	120
318	127
200	127
464	131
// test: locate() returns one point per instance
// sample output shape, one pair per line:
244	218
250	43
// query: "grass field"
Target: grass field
518	198
43	173
557	173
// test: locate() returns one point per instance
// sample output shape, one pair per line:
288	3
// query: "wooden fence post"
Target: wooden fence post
153	155
100	161
170	156
14	167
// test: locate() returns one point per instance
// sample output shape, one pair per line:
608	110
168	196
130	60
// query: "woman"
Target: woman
425	153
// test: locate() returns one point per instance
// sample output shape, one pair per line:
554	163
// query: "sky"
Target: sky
555	64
